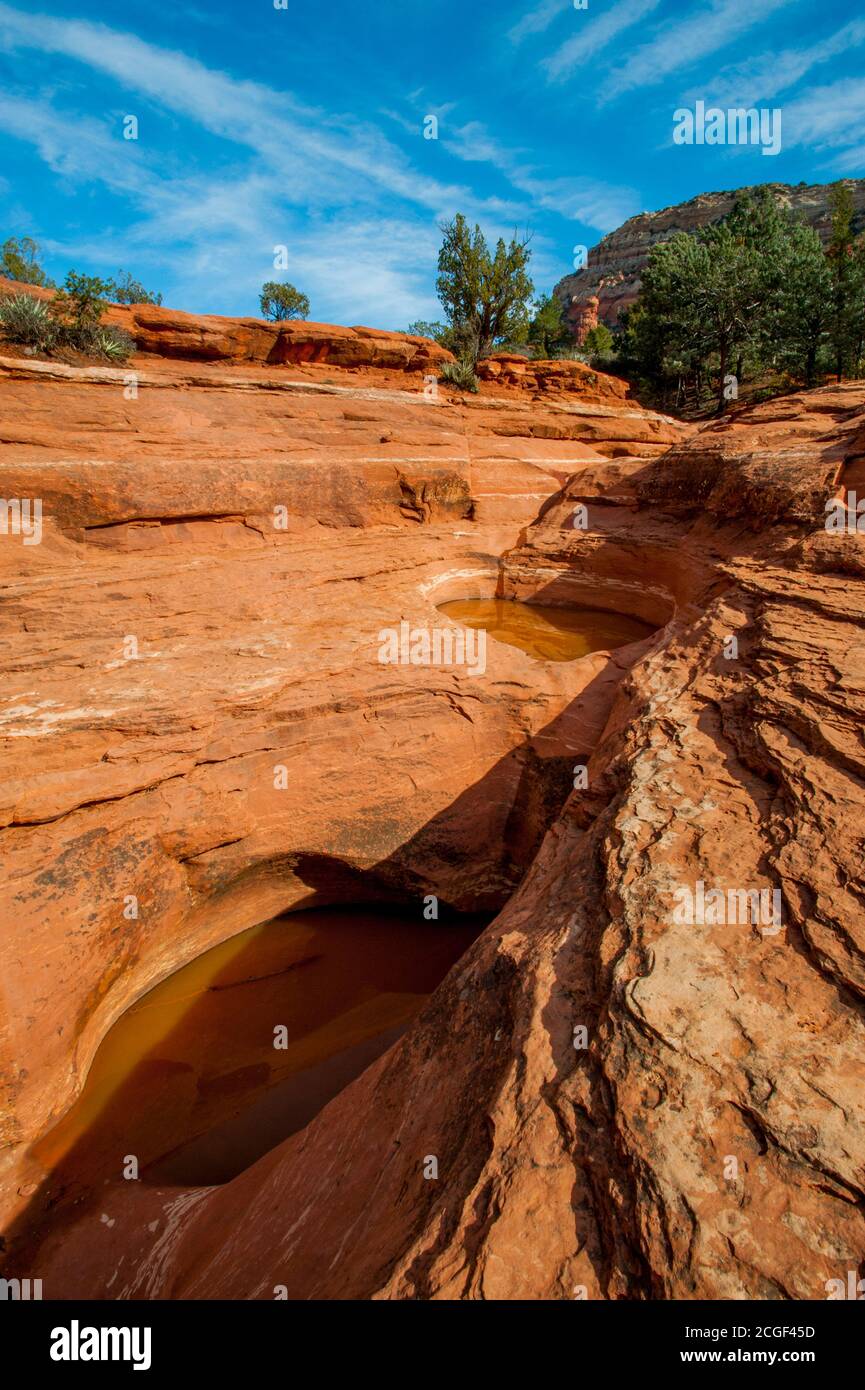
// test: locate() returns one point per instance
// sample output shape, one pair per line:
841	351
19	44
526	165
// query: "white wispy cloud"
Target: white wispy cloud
766	75
73	147
595	33
359	218
474	142
207	235
830	118
381	268
357	214
682	42
850	162
594	202
293	138
538	20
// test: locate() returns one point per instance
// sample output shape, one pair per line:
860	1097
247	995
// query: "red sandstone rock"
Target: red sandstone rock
605	1169
608	1170
228	520
214	338
559	376
583	315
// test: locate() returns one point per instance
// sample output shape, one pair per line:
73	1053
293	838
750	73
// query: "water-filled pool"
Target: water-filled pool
545	631
188	1081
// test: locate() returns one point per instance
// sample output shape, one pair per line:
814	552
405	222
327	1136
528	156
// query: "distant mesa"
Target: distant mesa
610	281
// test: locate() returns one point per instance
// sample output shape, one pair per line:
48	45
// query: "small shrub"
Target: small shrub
42	326
605	362
112	343
571	354
527	350
598	342
460	374
24	319
81	337
424	328
769	392
79	306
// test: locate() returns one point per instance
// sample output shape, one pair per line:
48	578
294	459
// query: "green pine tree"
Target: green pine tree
18	261
800	311
847	304
547	331
485	296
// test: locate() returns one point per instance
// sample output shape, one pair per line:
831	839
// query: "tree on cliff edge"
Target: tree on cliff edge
18	261
283	301
126	290
484	296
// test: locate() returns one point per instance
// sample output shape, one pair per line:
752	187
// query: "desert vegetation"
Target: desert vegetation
755	299
18	261
72	319
487	298
281	300
753	303
460	373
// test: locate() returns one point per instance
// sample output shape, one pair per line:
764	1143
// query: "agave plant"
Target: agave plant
24	319
113	343
460	374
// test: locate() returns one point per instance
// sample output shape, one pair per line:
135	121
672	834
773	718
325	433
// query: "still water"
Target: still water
188	1079
546	631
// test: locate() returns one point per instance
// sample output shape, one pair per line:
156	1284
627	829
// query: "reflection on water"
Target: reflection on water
189	1081
545	631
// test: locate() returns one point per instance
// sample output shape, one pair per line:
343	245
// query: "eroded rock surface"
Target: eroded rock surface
219	552
219	338
707	1141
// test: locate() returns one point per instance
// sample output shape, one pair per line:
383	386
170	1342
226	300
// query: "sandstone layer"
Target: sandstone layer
707	1140
610	281
220	548
218	338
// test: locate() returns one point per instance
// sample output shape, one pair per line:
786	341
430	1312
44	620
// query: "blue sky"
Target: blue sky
261	127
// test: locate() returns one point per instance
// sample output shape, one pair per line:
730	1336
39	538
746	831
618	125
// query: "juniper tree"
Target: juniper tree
703	293
847	265
723	294
126	290
18	262
283	301
598	341
485	296
547	331
800	312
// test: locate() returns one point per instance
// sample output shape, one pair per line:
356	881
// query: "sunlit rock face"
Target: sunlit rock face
629	1086
197	731
172	333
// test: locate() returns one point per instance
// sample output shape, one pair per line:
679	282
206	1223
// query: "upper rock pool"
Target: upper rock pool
546	631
